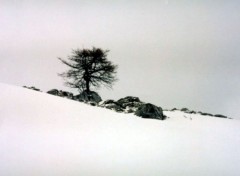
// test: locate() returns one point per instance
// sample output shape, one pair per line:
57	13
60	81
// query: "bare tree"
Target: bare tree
89	67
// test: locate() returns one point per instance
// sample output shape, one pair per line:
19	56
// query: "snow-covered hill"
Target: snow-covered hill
41	134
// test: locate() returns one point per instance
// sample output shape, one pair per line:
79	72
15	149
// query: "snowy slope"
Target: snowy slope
41	134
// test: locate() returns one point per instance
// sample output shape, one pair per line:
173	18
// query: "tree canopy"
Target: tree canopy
89	68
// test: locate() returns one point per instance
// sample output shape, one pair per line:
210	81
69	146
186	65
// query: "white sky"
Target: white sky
170	53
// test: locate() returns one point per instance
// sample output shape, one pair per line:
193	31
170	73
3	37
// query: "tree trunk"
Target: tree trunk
87	79
87	86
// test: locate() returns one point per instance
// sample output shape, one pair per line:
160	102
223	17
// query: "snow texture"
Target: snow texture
44	135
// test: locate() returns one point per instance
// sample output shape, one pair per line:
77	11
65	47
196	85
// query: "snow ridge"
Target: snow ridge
41	134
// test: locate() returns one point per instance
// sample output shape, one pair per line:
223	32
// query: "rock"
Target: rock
130	104
184	109
53	92
113	105
93	103
150	111
61	93
128	99
174	109
65	94
90	96
129	110
32	88
109	102
219	115
204	113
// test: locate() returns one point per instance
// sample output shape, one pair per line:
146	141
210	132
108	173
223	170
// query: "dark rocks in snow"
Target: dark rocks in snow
128	99
60	93
206	114
203	113
65	94
209	114
32	88
219	115
53	92
113	105
192	112
109	102
130	104
184	109
90	96
150	111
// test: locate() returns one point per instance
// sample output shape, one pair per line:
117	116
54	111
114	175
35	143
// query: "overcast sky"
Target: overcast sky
171	53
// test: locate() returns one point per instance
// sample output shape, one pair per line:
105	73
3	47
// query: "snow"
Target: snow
41	134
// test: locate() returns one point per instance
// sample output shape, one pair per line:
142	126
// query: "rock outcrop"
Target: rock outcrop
130	104
88	97
221	116
32	88
113	105
150	111
65	94
53	92
61	93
